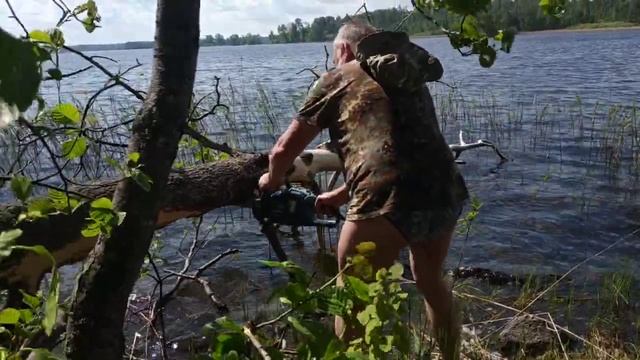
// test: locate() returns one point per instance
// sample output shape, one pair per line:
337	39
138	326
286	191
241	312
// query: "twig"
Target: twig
163	300
447	84
326	58
574	268
256	344
206	142
403	21
309	296
71	73
555	328
163	335
215	260
366	11
215	107
222	308
563	329
113	77
462	146
311	70
15	17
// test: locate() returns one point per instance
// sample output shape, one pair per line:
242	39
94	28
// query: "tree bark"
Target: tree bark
102	290
189	193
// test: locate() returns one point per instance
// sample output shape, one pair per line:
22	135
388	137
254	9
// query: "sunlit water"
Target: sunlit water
554	203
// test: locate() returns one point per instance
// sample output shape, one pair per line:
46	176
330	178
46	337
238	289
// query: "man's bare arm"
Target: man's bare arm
290	144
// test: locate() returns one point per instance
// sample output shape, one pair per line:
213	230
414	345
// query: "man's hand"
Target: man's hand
268	184
329	202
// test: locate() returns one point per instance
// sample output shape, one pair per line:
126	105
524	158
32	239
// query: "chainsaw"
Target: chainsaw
293	206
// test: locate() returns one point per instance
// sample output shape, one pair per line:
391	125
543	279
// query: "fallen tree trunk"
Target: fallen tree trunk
191	192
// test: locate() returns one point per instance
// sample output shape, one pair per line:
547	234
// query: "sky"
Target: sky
133	20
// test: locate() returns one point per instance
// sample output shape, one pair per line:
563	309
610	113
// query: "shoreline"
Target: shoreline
564	30
614	28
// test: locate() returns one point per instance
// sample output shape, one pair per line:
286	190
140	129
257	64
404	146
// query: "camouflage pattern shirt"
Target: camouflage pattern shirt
396	160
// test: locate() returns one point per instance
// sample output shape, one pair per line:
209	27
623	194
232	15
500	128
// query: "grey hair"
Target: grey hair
352	32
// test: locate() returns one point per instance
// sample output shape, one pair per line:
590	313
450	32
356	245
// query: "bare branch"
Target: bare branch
256	344
206	142
71	73
462	146
112	76
311	70
215	107
15	17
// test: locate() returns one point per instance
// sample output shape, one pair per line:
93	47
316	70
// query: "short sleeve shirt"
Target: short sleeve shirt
394	154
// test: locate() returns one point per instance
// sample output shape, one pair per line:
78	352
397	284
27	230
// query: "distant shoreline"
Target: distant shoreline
586	29
576	28
564	30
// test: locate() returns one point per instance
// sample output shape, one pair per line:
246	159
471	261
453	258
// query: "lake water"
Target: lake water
560	106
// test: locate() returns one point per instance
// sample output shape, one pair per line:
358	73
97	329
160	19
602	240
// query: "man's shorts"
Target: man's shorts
423	225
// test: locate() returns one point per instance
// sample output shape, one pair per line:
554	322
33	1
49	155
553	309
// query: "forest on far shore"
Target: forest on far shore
521	15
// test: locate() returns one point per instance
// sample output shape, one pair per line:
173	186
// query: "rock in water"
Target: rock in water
527	334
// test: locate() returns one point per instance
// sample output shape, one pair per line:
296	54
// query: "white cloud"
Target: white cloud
133	20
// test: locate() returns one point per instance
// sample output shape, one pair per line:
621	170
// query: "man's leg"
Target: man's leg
388	242
427	260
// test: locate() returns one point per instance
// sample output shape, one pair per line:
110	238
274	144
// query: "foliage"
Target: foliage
374	304
39	315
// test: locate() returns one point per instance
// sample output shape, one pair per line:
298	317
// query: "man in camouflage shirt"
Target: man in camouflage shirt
402	184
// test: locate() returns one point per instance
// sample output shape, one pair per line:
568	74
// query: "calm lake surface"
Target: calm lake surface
560	106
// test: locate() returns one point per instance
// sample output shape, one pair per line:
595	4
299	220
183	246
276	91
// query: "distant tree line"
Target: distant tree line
519	15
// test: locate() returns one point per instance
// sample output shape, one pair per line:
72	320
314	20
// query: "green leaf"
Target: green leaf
40	36
134	157
9	316
228	324
55	73
74	148
554	8
61	202
7	239
41	206
470	28
367	314
32	301
396	271
273	264
90	23
359	287
51	304
66	114
300	328
26	315
102	203
42	354
21	187
20	76
366	248
57	37
90	231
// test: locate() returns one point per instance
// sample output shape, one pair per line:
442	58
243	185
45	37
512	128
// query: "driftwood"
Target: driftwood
190	193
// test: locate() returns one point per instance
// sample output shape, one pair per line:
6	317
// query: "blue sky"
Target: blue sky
130	20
